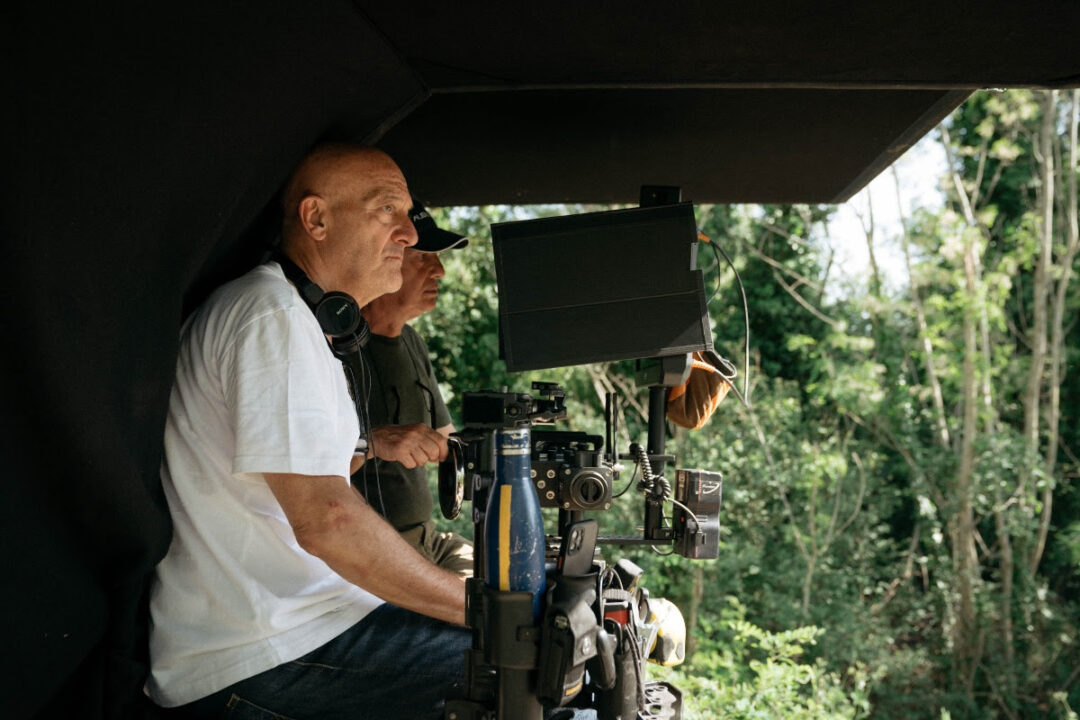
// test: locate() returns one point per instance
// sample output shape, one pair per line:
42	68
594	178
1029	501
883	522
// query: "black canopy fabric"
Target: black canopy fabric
750	102
146	142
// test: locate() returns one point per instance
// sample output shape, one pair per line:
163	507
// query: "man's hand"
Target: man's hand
410	445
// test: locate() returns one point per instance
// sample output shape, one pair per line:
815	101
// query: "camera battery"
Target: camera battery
700	491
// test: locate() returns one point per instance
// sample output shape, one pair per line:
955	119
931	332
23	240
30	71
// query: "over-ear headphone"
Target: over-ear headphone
337	312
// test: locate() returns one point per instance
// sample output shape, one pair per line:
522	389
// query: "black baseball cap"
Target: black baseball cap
433	238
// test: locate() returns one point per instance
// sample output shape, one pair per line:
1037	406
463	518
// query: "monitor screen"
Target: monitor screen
598	287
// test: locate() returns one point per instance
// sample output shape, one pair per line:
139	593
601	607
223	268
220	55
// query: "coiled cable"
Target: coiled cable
656	488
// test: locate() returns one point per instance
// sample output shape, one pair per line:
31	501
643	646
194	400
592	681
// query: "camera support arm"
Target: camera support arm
659	375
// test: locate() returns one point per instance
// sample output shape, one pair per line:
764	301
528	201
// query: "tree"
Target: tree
898	496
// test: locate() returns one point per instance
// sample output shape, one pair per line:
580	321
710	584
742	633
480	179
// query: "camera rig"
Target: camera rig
553	624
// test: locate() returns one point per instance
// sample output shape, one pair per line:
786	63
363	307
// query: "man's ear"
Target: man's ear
312	215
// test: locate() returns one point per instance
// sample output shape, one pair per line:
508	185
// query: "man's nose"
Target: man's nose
407	235
437	270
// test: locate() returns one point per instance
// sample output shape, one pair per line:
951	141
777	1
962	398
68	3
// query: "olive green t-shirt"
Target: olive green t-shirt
403	392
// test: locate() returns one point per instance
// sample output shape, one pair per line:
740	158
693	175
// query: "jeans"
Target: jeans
392	665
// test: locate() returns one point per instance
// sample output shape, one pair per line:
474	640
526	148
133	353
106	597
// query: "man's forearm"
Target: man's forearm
333	522
394	570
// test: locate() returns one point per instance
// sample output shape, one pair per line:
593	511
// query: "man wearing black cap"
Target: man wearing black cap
405	394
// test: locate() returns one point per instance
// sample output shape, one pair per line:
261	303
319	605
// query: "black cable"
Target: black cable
738	394
724	367
635	650
656	487
745	396
629	483
717	252
362	399
716	290
664	492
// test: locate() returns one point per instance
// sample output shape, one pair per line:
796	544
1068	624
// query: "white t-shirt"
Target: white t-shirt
257	390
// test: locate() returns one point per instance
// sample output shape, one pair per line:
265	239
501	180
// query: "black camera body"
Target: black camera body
568	471
490	410
470	452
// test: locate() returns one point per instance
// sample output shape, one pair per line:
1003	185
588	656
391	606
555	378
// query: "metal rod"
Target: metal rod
654	512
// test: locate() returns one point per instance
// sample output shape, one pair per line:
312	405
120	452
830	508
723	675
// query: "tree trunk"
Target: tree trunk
697	592
965	638
1007	565
1057	336
868	231
1033	391
924	334
965	560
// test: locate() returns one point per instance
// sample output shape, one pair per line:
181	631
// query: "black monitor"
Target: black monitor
597	287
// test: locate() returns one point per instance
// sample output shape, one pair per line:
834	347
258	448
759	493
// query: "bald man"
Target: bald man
283	593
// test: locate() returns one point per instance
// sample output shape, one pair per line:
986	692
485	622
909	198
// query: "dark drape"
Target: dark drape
148	142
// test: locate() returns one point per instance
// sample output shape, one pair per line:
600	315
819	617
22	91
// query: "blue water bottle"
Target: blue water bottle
514	535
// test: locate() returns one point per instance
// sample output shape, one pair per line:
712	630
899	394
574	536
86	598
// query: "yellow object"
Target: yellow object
669	647
506	494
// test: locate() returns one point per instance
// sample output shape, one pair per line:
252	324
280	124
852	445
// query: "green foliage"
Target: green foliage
747	673
842	493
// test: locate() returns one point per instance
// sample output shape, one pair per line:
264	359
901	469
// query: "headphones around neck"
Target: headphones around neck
337	313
